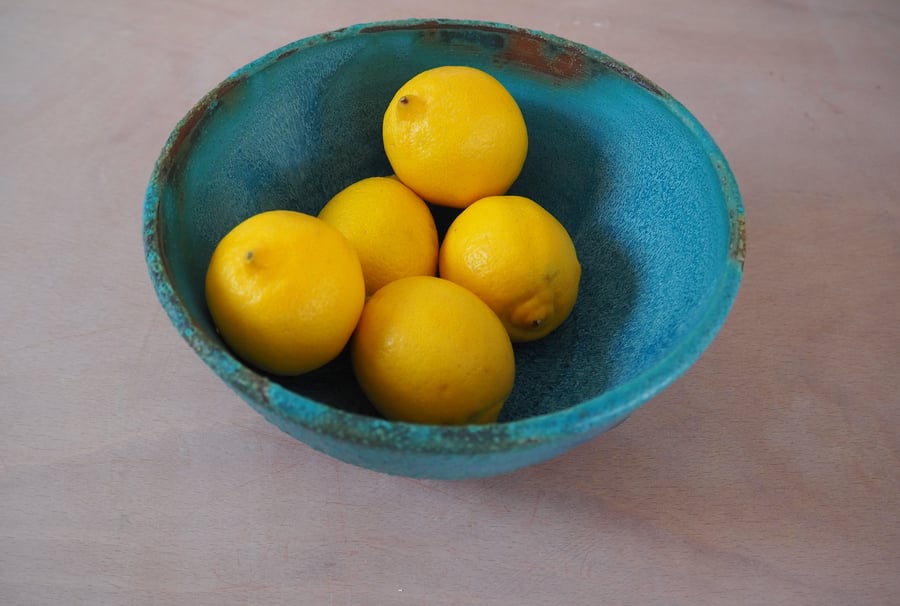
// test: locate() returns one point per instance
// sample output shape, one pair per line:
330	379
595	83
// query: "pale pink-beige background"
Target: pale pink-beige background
129	474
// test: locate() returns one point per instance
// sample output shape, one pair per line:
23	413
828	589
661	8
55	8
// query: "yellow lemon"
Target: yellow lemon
427	350
518	259
389	225
454	134
285	291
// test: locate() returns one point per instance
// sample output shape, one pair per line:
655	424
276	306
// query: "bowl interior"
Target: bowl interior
636	181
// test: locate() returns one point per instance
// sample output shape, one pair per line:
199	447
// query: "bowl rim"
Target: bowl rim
279	404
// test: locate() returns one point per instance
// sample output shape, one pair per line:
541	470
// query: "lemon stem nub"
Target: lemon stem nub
403	100
249	255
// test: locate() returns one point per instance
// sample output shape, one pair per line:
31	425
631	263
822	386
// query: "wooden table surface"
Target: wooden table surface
768	474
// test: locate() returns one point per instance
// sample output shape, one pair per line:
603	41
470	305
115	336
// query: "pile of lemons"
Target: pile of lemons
430	323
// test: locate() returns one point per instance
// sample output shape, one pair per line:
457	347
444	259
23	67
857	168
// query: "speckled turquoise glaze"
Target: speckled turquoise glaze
647	196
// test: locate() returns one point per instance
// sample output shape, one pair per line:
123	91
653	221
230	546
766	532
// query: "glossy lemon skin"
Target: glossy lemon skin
285	291
519	259
428	351
454	134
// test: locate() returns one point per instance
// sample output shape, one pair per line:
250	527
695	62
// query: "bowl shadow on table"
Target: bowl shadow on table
550	372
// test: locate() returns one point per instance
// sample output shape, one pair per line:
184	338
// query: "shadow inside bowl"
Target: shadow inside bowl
333	384
560	370
550	372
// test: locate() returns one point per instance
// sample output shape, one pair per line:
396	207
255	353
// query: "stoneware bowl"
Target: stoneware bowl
644	191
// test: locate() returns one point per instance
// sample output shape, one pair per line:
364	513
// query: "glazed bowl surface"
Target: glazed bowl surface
647	196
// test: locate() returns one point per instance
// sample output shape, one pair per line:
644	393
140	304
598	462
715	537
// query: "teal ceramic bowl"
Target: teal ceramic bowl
644	191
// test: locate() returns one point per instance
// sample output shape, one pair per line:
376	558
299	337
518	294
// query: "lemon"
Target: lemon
427	350
390	226
285	291
454	134
518	258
